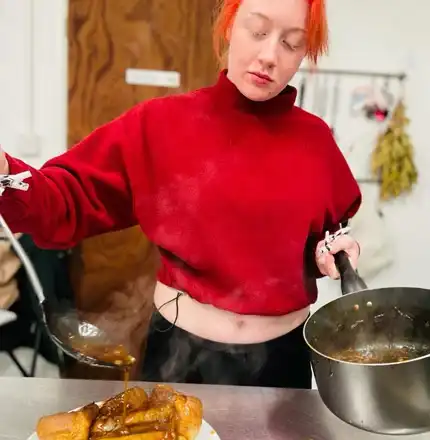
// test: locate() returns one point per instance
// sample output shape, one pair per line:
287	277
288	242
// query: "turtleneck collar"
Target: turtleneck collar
228	95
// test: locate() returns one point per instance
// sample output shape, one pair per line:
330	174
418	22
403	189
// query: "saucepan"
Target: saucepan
370	352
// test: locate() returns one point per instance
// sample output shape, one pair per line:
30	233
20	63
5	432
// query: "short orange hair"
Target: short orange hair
317	41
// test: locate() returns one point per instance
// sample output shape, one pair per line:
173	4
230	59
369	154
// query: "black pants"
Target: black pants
177	356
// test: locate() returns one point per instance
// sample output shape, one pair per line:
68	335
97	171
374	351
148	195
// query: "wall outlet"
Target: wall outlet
28	145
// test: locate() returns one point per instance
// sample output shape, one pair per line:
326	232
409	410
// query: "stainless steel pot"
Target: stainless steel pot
370	355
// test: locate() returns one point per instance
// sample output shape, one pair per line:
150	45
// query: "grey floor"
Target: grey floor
25	355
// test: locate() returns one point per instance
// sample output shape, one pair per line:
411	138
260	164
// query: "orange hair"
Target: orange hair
317	40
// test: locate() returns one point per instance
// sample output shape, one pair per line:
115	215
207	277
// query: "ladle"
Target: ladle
77	338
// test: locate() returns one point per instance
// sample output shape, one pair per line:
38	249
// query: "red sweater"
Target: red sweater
235	193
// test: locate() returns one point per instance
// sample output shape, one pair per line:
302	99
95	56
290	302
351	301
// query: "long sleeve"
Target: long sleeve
81	193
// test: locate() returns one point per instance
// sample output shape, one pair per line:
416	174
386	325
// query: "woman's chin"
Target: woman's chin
255	93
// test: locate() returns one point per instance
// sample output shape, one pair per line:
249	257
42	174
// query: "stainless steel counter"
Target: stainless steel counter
236	413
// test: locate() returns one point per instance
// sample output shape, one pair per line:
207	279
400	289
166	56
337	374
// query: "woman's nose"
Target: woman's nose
268	54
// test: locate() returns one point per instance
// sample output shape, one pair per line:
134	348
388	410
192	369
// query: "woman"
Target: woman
235	185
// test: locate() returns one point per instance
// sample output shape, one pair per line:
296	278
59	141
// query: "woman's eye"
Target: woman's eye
259	34
292	47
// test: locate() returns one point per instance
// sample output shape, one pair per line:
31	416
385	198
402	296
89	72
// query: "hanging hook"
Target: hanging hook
402	91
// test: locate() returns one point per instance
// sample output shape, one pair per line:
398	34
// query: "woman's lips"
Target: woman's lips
260	79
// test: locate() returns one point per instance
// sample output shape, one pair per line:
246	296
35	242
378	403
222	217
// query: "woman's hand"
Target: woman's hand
4	166
324	254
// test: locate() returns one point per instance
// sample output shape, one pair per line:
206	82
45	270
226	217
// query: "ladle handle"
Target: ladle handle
28	266
350	281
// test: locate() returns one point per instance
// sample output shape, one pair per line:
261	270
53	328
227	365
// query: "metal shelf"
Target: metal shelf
339	72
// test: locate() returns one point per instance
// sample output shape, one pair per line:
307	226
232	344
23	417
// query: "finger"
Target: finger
322	248
344	243
348	245
327	266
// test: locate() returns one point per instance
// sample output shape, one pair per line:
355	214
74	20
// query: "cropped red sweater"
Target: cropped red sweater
235	194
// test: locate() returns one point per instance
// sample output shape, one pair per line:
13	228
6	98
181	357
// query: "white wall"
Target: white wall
387	35
392	35
46	25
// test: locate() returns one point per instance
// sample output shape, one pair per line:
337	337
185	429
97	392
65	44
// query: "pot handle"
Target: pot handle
350	281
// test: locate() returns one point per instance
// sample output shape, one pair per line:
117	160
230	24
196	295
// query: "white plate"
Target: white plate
206	430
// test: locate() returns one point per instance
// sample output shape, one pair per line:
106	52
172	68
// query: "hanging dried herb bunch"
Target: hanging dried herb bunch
392	160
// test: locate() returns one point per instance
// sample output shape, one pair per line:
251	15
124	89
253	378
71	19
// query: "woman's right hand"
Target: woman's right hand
4	165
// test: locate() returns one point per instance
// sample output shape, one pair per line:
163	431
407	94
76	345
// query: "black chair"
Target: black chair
23	332
28	330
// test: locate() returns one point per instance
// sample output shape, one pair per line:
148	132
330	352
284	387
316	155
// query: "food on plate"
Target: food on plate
133	399
65	426
164	414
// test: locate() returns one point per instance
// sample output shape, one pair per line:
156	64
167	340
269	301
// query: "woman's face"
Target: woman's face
267	44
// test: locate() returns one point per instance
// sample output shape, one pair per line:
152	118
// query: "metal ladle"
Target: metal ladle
78	338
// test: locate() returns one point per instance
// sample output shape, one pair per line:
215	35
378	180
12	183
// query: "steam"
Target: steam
196	360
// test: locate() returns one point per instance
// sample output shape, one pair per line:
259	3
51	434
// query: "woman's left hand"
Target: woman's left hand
325	260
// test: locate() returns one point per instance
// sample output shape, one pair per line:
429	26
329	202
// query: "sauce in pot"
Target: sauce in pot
380	355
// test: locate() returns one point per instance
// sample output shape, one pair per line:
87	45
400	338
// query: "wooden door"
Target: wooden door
114	274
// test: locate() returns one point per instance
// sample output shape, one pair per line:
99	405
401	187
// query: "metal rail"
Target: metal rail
339	72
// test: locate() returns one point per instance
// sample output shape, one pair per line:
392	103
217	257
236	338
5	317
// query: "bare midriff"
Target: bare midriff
208	322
